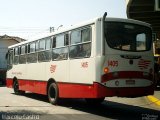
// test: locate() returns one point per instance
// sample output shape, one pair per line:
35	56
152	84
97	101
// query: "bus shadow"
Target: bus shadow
35	96
107	109
111	110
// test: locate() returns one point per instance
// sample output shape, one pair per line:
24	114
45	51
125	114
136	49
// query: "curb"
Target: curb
154	100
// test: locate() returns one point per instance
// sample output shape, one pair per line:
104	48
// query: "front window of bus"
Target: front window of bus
127	36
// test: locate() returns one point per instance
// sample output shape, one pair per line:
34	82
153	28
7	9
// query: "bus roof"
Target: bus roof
82	24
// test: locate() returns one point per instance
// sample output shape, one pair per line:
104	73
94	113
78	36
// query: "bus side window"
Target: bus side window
42	45
32	55
44	54
47	49
60	47
48	44
75	37
22	56
16	55
80	43
60	40
86	35
23	51
37	45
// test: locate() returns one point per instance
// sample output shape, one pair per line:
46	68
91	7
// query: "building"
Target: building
147	11
6	41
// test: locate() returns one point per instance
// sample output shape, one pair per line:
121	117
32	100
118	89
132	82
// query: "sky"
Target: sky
28	18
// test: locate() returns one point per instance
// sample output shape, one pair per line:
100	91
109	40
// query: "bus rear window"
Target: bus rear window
128	37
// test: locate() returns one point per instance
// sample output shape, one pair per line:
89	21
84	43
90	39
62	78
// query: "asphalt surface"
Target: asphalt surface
35	106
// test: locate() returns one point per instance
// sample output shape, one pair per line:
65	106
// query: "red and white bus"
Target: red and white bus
93	60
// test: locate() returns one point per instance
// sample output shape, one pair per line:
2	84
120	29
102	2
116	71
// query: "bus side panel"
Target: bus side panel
72	90
81	71
57	70
26	85
9	83
41	87
77	90
96	90
33	86
36	71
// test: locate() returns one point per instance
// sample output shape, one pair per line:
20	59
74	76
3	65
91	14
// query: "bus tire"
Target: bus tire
93	101
16	88
53	93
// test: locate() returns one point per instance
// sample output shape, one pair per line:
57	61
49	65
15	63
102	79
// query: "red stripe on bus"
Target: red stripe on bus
33	86
9	83
30	85
77	90
66	90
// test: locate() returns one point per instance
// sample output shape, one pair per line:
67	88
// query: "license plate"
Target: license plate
130	82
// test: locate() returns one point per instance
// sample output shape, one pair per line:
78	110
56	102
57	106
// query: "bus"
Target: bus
99	58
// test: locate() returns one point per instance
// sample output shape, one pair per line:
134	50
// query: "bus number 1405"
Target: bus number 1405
112	63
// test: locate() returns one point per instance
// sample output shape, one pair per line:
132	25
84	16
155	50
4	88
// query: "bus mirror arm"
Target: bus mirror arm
104	16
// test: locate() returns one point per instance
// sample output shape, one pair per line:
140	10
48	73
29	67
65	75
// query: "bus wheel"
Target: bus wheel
94	100
16	88
53	94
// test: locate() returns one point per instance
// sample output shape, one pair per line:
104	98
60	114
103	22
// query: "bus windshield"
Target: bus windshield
127	36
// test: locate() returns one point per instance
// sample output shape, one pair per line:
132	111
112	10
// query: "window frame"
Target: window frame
40	49
16	51
65	45
50	43
29	47
23	47
149	35
46	51
82	42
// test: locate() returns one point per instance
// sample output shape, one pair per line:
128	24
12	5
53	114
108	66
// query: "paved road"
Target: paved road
37	107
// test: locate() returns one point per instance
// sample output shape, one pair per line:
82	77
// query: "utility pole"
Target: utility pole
51	29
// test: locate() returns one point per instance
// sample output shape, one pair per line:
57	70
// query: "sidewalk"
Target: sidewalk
156	97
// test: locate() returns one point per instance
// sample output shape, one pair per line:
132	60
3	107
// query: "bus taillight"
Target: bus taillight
106	70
